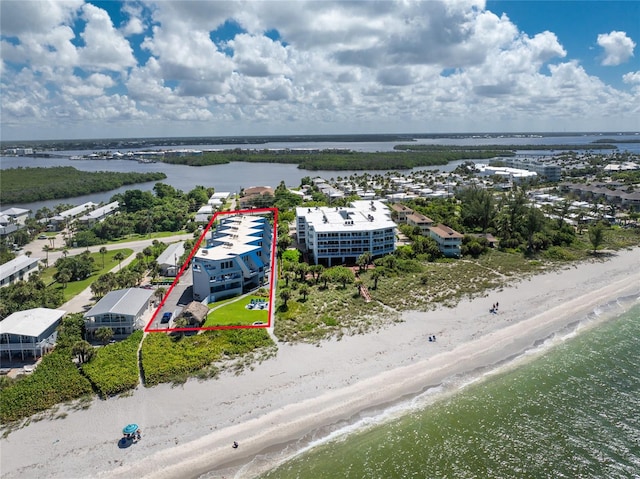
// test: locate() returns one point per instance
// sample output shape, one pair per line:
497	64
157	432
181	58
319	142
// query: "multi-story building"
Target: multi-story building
547	171
17	269
121	310
420	221
341	234
235	259
32	332
449	240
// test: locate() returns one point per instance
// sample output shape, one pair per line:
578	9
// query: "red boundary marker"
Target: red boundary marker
274	211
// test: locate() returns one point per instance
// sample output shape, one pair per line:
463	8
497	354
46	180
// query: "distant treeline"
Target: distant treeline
26	185
502	148
339	160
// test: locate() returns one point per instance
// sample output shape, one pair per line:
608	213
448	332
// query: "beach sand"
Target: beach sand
307	390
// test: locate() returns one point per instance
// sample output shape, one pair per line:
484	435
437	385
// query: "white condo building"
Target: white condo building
341	234
235	259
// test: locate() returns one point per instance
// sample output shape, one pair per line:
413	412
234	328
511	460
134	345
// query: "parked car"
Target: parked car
166	317
42	237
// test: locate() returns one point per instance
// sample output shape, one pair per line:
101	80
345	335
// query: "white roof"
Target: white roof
31	322
16	264
221	195
233	238
168	256
103	210
361	216
15	212
76	210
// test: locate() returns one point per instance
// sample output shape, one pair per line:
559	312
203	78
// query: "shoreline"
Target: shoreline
308	391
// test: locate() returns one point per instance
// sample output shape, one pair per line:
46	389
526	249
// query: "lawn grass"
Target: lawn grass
75	287
150	236
235	312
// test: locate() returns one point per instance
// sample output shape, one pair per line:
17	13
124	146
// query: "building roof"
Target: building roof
361	216
75	211
445	232
16	264
419	218
169	255
400	208
15	212
123	301
31	322
100	212
234	237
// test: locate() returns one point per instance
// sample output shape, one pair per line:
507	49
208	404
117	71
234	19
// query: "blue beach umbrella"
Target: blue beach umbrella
130	429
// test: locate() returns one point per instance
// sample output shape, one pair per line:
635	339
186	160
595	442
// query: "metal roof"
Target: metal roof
123	301
31	322
17	264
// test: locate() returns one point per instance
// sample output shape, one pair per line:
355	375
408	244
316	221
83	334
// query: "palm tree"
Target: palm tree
63	276
596	236
46	248
104	334
103	251
119	256
285	295
376	274
83	351
304	291
159	293
363	260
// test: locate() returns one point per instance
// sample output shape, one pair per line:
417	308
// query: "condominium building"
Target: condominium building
547	171
341	234
449	240
236	258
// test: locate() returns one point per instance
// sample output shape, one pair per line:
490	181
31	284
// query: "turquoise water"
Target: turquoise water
570	411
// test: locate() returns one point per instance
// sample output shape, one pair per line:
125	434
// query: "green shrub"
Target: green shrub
557	253
114	368
169	358
55	380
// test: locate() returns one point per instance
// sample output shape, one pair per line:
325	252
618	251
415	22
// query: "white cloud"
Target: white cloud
105	47
618	47
334	66
631	77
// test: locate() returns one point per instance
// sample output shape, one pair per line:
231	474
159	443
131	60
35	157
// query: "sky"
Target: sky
109	69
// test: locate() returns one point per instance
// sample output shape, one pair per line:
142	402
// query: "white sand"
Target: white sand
306	389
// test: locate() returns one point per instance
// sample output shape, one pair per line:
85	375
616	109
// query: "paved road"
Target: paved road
82	302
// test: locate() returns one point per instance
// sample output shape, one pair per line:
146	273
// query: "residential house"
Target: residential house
121	310
32	332
418	220
17	269
169	259
254	196
99	213
449	240
16	215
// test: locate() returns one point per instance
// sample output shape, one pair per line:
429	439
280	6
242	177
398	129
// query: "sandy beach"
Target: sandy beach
308	390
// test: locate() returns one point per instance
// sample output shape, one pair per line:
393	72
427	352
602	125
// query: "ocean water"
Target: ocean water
569	408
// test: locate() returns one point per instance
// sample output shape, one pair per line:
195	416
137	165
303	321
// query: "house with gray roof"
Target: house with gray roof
32	332
169	259
121	310
17	269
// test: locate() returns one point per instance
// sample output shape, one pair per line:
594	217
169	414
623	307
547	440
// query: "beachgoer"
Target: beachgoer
430	339
235	444
434	337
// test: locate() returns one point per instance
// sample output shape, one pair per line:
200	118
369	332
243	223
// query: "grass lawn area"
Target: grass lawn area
137	237
235	312
75	287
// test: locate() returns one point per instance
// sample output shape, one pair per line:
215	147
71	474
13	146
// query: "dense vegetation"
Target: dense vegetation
142	212
55	380
114	368
33	293
173	358
339	159
25	185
